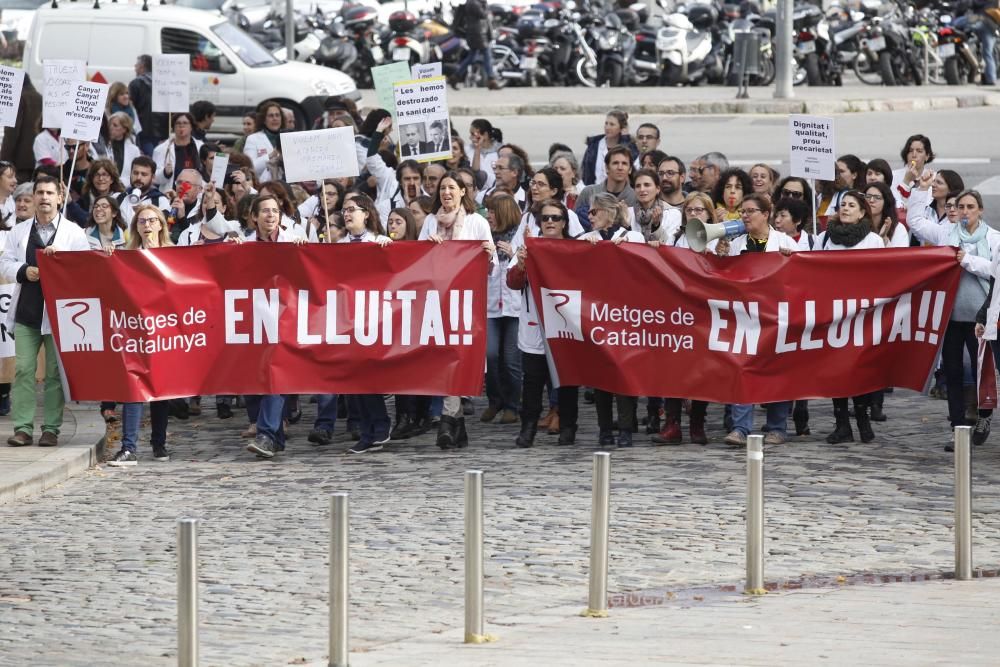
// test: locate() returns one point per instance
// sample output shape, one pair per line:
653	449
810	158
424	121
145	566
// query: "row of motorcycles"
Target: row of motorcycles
589	43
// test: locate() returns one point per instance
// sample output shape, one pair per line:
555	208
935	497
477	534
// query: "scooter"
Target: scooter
691	50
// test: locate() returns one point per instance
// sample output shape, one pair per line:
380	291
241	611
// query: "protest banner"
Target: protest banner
61	77
317	154
85	111
384	77
220	163
758	328
171	82
812	147
11	82
422	123
425	70
6	335
263	318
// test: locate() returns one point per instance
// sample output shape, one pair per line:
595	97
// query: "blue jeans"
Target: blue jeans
470	57
326	412
988	42
132	418
270	413
503	363
374	418
777	417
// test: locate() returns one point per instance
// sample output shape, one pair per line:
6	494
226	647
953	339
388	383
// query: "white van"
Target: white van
228	67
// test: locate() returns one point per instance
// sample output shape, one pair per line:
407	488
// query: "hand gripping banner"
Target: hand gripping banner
261	318
758	328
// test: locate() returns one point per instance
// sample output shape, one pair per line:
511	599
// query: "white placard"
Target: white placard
6	335
425	70
61	77
219	165
422	119
318	154
812	147
85	111
171	83
11	82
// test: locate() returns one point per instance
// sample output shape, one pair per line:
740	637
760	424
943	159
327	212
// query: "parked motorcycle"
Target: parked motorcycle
405	40
691	51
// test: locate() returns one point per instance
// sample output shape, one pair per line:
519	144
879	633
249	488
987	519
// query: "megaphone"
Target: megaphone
699	235
135	197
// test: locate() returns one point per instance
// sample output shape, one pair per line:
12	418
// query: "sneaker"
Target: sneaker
384	440
251	432
123	458
489	414
736	439
625	438
606	439
223	410
262	446
320	436
365	447
775	438
160	453
982	430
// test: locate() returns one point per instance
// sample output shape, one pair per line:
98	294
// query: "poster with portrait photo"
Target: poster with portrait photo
422	119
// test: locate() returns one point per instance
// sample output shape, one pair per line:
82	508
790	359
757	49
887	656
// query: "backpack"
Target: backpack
459	21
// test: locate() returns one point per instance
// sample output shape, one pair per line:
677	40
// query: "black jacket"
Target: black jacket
477	25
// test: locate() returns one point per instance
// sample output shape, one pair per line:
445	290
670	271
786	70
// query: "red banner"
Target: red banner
264	319
758	328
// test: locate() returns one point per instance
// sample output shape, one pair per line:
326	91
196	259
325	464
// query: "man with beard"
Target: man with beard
671	173
142	190
186	203
712	166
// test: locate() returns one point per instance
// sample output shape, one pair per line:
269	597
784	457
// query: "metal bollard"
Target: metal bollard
474	557
755	515
187	592
339	535
963	504
597	600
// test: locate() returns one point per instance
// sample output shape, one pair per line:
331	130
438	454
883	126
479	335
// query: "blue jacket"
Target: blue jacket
589	165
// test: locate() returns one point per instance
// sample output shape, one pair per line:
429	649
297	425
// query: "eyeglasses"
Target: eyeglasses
646	137
668	173
350	209
744	212
539	184
551	218
146	221
874	197
102	206
695	210
592	212
949	206
500	167
793	194
101	174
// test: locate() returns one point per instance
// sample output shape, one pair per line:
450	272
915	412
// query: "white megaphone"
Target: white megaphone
699	235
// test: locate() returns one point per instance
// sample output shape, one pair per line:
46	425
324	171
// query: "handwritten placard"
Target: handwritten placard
171	83
83	116
58	86
11	82
384	76
219	165
319	154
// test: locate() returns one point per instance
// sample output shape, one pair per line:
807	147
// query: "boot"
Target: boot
461	437
697	430
878	400
864	423
453	82
567	435
653	423
843	431
670	435
526	438
492	84
447	432
554	424
971	404
546	419
403	429
800	415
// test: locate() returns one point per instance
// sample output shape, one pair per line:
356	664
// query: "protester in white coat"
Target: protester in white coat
263	147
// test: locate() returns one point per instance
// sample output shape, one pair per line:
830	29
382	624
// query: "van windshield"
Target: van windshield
249	50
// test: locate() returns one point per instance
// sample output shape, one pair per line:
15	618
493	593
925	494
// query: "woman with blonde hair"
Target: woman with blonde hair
120	101
144	233
121	145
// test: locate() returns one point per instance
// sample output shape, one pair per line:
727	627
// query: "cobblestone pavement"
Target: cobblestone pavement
88	570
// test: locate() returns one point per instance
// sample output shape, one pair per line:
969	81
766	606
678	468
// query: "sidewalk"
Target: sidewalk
850	98
28	470
906	624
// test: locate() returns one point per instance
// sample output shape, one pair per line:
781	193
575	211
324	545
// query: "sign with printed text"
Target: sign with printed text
384	77
11	82
812	147
426	70
317	154
171	83
219	165
60	79
83	116
6	335
422	119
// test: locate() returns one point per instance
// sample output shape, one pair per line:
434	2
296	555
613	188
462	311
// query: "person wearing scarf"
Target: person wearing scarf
851	229
263	147
178	153
977	246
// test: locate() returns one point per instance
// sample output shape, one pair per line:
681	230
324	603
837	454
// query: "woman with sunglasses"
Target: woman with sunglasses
148	232
978	249
793	187
553	222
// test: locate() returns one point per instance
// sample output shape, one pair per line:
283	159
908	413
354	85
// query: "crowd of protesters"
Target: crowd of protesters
144	186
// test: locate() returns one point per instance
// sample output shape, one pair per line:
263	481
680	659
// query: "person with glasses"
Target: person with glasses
148	232
509	170
101	180
711	168
794	187
49	232
885	217
670	172
594	164
546	184
553	218
978	249
105	226
647	140
178	153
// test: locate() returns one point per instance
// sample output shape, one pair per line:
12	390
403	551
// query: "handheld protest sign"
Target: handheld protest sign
811	147
220	163
426	70
171	83
423	126
384	77
11	83
82	119
58	85
316	155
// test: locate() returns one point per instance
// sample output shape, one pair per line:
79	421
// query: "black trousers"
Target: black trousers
626	410
673	409
959	337
534	376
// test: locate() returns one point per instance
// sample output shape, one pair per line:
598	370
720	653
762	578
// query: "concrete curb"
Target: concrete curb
734	106
83	450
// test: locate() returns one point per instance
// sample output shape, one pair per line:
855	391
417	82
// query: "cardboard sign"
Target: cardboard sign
384	77
318	154
812	147
6	335
219	165
422	119
61	77
11	82
171	83
83	116
426	70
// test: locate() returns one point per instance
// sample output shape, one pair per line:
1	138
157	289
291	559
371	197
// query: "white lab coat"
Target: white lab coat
258	147
776	241
160	155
